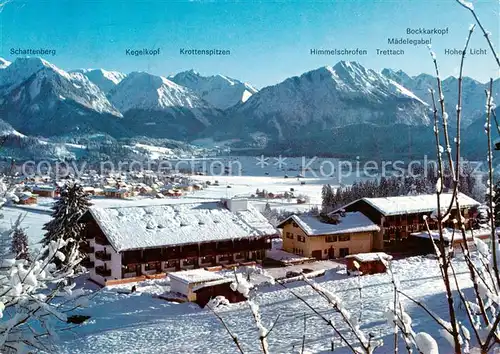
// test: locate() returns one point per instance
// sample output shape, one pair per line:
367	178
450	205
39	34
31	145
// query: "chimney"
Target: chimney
235	205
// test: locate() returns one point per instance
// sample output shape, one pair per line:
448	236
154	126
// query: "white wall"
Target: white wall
115	264
179	287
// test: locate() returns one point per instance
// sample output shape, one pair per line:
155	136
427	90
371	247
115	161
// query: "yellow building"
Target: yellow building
342	234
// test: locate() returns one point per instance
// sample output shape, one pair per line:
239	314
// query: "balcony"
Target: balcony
207	252
101	240
132	257
102	271
103	256
170	253
86	249
87	263
189	254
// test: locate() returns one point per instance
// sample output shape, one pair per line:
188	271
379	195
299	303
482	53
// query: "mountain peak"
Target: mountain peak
219	90
141	90
347	64
104	79
4	63
22	68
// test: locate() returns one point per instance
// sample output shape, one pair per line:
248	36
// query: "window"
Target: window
343	252
301	238
344	237
188	262
289	235
226	258
331	238
171	264
295	224
207	259
129	269
152	266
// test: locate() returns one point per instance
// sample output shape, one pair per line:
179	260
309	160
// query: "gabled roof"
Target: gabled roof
414	203
350	223
370	257
167	224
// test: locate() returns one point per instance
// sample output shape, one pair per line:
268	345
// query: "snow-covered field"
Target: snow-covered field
33	221
139	323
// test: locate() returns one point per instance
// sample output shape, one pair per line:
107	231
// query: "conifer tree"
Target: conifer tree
72	204
328	198
19	247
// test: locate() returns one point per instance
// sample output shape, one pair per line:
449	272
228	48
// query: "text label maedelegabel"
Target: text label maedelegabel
142	52
30	51
405	41
344	51
208	52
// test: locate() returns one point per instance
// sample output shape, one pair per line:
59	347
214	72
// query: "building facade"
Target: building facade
311	237
399	217
135	241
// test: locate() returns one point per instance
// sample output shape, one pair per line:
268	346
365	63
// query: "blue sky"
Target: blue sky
269	40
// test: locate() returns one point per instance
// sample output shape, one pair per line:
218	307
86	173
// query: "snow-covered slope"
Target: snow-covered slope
220	91
104	79
4	63
473	97
155	106
41	99
6	129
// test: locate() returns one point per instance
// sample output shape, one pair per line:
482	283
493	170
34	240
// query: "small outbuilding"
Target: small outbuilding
367	263
200	285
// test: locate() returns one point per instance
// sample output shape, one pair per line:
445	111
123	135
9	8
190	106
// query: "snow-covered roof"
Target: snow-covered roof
194	276
43	188
370	257
212	283
169	224
416	203
448	234
350	223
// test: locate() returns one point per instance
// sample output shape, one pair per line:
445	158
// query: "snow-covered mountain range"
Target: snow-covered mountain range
220	91
40	99
473	96
331	110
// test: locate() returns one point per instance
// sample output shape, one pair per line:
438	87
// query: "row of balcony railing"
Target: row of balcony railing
172	253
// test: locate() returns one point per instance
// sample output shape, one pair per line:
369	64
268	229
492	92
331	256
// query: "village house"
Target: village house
143	240
337	235
27	198
399	217
118	191
48	191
